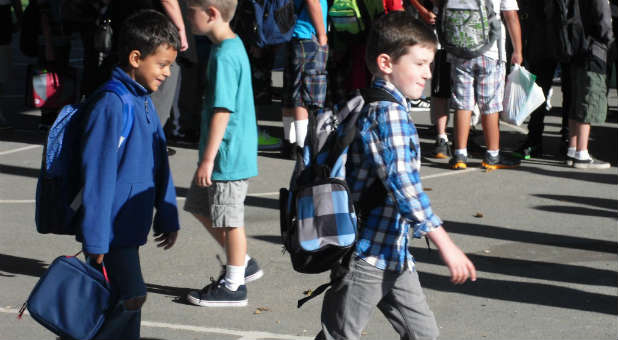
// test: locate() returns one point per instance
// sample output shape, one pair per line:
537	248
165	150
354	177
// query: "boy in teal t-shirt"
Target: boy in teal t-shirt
228	153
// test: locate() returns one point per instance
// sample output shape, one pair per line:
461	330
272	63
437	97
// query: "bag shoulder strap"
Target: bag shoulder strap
128	117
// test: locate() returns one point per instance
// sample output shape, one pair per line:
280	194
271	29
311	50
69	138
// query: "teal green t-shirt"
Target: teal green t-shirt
228	86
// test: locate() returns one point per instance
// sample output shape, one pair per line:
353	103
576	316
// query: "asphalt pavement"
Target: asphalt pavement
543	238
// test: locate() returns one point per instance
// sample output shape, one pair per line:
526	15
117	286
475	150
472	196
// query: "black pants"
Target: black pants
544	71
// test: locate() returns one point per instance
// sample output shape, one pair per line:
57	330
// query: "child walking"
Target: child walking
381	270
228	153
122	185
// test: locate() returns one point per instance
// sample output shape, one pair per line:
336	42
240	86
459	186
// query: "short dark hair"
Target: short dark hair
145	31
393	33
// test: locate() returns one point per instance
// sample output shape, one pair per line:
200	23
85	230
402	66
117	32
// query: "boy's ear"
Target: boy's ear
213	13
135	58
384	63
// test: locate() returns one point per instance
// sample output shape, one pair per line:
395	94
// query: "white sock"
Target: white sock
571	152
301	131
234	277
493	153
463	152
443	136
247	258
582	155
289	131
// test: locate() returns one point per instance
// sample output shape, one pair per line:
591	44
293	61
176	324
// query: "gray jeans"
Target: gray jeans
349	303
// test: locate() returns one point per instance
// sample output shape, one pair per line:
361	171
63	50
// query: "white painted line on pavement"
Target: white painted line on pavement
265	194
245	335
2	153
451	173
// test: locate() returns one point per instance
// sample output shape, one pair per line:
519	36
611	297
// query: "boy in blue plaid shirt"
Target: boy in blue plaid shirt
381	269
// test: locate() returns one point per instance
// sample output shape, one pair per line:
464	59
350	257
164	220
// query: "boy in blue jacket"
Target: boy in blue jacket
122	184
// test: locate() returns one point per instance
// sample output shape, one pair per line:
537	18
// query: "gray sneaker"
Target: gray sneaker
569	160
252	271
590	163
501	161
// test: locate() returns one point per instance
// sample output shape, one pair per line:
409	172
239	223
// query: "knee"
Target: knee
134	303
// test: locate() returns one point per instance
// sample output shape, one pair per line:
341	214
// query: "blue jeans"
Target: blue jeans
125	276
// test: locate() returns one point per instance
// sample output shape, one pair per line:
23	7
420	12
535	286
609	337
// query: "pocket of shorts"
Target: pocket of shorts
314	88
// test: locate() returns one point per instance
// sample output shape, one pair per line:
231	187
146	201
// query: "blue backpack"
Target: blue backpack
274	21
318	217
58	192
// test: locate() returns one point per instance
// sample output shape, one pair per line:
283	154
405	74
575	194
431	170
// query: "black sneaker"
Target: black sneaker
526	151
441	149
569	160
458	162
217	294
420	104
252	271
288	150
590	163
499	162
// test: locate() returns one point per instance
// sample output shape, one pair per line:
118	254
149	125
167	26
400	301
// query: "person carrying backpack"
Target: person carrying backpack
380	271
124	181
588	103
304	77
478	70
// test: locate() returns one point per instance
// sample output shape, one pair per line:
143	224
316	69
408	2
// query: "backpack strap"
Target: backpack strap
119	89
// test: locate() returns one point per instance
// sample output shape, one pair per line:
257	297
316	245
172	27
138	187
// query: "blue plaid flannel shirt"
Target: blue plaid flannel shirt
388	149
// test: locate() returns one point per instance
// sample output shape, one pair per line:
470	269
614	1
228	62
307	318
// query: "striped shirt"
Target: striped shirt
387	148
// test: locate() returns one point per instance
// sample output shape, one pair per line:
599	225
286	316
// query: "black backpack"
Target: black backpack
565	26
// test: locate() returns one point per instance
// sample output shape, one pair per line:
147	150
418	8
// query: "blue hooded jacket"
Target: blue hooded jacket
122	186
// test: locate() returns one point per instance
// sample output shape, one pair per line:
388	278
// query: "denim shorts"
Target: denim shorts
305	75
223	202
478	80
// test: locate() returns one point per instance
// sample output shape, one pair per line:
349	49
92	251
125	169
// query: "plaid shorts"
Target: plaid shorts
478	80
305	76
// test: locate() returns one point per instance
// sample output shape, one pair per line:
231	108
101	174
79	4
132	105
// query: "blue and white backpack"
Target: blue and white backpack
319	220
58	193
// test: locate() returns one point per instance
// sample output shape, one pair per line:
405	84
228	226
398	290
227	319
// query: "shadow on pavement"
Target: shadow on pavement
593	201
564	209
15	265
533	237
529	269
526	292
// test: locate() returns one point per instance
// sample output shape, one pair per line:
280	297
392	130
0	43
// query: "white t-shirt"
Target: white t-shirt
501	5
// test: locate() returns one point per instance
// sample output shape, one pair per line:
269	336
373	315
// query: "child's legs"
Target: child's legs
439	114
489	91
125	275
349	303
491	130
405	307
235	246
217	233
462	98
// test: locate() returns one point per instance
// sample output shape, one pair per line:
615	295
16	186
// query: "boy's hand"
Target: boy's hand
166	240
458	264
98	258
428	17
203	174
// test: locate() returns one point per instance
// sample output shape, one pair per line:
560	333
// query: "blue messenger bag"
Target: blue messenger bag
71	299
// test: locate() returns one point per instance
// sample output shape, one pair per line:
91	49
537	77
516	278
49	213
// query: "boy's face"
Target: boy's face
199	19
411	71
155	68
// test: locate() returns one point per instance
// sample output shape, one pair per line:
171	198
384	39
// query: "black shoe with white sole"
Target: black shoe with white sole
217	294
